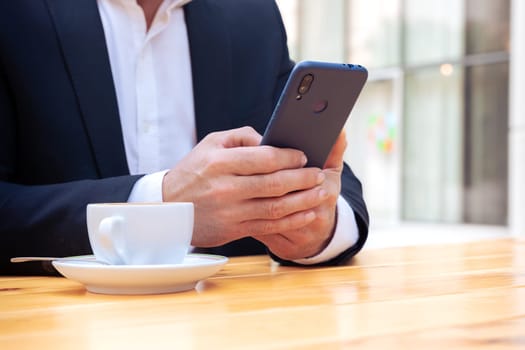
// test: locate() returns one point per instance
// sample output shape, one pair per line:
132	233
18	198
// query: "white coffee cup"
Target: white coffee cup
140	233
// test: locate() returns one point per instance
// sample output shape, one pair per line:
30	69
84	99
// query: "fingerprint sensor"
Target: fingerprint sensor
320	106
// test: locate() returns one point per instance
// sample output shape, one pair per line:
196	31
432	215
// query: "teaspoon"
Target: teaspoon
49	258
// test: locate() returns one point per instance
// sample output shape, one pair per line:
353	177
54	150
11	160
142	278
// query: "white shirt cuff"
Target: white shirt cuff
345	235
148	188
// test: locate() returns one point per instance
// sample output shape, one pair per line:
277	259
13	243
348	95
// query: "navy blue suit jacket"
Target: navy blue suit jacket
61	144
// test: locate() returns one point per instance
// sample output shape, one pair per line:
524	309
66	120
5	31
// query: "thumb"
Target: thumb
335	158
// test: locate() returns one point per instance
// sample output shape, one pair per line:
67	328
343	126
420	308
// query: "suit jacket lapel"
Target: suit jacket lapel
211	60
81	35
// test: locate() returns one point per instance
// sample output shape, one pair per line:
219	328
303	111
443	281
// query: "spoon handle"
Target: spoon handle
20	259
32	258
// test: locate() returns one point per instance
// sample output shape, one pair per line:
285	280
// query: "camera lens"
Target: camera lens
303	89
306	82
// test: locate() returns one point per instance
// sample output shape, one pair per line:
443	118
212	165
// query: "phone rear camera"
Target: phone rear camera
306	82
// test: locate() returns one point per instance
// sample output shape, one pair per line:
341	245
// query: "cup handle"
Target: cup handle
111	230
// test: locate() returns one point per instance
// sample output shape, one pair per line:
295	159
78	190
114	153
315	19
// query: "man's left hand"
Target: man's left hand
313	238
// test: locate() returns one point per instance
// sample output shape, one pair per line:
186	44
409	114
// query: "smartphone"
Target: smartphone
313	108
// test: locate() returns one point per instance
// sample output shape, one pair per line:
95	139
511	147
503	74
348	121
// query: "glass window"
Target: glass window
428	136
321	28
373	151
486	144
432	158
488	27
433	31
375	27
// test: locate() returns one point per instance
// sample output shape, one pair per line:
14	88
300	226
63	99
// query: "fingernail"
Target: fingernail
320	178
323	194
304	160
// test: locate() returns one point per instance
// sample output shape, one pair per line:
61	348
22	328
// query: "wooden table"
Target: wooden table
461	296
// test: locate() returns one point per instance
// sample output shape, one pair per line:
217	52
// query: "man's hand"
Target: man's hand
311	239
242	189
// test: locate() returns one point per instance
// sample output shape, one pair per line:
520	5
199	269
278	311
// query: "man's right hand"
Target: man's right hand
242	189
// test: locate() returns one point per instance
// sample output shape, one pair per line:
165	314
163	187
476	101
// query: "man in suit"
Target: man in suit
118	100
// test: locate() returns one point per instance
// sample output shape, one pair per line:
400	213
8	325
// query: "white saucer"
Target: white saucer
141	279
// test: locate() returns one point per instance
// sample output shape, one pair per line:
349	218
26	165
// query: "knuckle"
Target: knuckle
265	227
213	170
322	219
216	164
274	209
274	185
247	129
331	198
214	135
224	189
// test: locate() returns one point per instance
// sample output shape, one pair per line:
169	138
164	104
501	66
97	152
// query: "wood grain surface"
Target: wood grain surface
457	296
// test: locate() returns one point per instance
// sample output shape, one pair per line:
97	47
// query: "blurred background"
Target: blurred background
437	136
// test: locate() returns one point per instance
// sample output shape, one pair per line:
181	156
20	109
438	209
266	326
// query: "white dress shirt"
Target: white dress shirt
152	76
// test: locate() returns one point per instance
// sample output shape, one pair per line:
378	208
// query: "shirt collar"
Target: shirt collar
169	3
176	3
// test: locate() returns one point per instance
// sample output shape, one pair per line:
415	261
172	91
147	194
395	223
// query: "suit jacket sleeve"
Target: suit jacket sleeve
43	219
56	154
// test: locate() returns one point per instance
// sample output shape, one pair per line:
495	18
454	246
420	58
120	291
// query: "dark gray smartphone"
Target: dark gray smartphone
313	108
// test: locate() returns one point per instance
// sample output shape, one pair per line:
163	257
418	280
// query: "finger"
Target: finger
291	222
278	183
278	244
293	244
282	246
262	160
276	208
335	158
